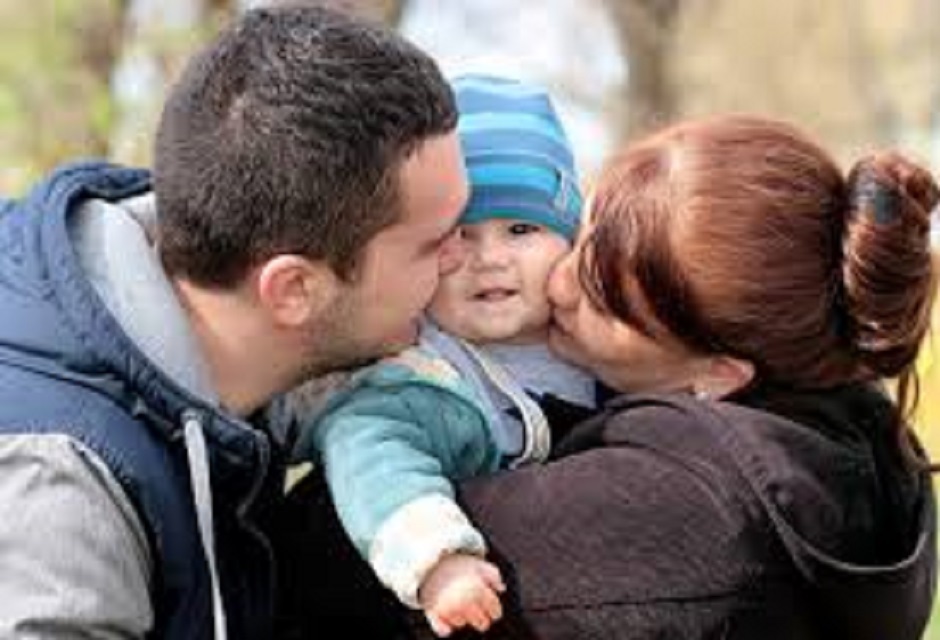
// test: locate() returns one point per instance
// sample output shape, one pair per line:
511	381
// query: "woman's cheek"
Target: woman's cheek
579	351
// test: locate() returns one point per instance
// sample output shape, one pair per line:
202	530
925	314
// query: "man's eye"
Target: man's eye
523	228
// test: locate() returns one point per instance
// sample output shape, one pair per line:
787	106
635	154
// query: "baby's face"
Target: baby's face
499	292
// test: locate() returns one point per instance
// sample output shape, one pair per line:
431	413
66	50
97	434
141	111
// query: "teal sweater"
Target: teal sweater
394	438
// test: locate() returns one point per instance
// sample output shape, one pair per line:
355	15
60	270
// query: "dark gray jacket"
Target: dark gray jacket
777	515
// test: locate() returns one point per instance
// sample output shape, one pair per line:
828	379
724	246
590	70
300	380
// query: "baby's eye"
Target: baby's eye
523	228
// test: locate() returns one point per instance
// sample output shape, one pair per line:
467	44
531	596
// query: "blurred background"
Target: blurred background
85	78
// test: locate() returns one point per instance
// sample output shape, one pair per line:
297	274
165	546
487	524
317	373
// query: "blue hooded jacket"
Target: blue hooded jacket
68	369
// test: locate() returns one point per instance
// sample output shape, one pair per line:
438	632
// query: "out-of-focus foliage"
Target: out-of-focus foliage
384	11
647	30
157	37
857	73
82	78
55	57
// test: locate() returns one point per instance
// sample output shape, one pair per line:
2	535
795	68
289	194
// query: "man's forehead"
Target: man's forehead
434	185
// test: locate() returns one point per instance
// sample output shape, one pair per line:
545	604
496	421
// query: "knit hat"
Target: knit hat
518	158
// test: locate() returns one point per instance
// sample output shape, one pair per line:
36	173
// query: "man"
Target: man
307	179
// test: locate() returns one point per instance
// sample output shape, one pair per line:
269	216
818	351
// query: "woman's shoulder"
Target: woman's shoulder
804	472
673	421
801	429
822	469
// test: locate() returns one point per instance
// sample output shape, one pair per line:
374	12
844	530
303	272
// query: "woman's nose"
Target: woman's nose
563	286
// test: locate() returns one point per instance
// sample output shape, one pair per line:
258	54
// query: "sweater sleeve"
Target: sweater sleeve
390	455
74	559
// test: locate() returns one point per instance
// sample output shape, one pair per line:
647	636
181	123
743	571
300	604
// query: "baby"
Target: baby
466	399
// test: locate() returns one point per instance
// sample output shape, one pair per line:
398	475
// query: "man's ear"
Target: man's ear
725	376
294	289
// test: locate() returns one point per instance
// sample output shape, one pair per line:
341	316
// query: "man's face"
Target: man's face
376	314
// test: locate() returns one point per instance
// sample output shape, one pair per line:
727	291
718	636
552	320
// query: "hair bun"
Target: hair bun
887	185
887	269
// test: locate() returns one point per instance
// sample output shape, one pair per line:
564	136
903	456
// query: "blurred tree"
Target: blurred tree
80	77
98	37
858	73
647	30
54	61
388	12
385	11
930	23
158	35
865	70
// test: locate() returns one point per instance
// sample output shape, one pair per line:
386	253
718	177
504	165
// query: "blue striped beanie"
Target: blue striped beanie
518	158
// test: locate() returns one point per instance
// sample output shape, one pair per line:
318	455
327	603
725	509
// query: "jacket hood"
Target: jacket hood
53	321
874	573
853	517
84	300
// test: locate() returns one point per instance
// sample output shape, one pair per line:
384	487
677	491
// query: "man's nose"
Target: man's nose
452	255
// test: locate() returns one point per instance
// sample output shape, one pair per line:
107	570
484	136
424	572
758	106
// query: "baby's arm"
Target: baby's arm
388	470
430	554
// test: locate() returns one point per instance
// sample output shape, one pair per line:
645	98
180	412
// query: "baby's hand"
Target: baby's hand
461	590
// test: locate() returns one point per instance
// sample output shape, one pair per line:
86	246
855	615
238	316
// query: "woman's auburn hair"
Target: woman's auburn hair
746	239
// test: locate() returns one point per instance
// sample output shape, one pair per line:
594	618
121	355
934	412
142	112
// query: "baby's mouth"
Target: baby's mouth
497	294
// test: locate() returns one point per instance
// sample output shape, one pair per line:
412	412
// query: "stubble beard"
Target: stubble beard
329	349
336	344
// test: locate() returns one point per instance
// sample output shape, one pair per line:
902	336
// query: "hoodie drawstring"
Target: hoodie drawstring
198	456
538	439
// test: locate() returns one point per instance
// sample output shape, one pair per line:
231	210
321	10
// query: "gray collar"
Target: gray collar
115	246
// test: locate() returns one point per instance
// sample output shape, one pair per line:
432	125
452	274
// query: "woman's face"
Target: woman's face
616	352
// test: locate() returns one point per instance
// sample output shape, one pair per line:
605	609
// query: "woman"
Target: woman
754	480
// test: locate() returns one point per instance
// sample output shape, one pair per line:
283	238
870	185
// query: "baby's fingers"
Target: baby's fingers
490	607
439	626
477	616
492	576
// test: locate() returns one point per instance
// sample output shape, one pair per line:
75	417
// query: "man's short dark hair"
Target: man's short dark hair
287	135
